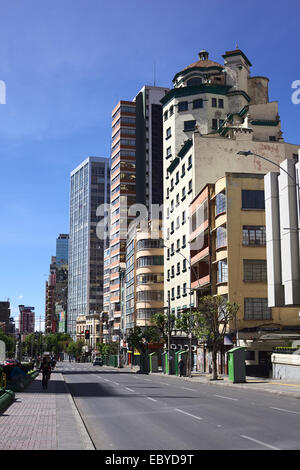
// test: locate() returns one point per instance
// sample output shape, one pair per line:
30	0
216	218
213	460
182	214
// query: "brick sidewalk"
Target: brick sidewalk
43	420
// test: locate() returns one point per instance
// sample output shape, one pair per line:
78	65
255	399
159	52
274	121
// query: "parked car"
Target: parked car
98	361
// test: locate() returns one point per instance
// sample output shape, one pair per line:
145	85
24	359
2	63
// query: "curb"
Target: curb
6	399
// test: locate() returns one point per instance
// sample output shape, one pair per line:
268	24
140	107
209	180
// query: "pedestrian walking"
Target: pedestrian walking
181	367
46	371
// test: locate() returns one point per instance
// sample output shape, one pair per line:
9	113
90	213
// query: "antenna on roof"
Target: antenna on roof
154	73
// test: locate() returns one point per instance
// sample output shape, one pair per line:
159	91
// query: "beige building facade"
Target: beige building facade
144	277
228	258
213	112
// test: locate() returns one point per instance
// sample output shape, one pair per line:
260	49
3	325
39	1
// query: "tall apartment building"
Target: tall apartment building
50	314
213	112
5	316
62	249
144	278
89	190
136	178
26	319
61	281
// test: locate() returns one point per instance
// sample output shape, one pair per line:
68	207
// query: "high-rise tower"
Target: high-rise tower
136	178
90	188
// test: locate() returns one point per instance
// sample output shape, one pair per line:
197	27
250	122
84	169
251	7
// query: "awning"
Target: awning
269	336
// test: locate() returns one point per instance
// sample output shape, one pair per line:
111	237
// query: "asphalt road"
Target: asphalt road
126	411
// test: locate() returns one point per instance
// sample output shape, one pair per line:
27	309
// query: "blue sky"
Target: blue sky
66	63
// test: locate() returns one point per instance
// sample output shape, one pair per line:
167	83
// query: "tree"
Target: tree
163	323
210	323
139	338
10	343
75	348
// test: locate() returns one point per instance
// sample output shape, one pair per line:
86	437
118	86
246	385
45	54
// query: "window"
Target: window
222	271
220	203
221	237
256	309
254	235
168	133
183	106
178	269
214	124
255	270
214	102
184	265
184	289
196	81
165	115
198	104
148	295
183	170
149	243
171	111
189	125
178	292
150	261
183	194
183	241
272	138
253	199
190	186
221	103
189	162
169	152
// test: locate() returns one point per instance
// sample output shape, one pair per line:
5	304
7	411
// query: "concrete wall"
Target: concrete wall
286	366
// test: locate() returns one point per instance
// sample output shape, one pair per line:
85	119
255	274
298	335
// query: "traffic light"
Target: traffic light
87	334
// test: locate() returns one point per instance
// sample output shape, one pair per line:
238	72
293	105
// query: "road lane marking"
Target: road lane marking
188	414
260	442
150	398
148	380
226	398
191	389
130	389
163	383
116	383
286	411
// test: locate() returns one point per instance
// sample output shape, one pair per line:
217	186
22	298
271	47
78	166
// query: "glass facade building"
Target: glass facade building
89	190
62	249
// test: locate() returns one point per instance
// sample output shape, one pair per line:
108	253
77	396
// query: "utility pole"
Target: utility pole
169	334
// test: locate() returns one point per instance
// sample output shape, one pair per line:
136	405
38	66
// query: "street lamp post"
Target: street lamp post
190	315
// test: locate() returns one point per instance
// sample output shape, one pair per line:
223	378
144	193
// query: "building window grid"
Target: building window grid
255	270
256	309
254	235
